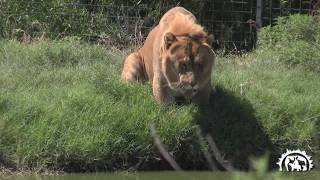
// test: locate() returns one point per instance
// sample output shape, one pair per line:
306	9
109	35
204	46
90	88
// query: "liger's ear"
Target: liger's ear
169	39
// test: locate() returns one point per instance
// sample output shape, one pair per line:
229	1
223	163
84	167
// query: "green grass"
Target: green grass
63	106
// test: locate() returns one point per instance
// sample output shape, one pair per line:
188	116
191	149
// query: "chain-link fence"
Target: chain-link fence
126	23
107	24
230	22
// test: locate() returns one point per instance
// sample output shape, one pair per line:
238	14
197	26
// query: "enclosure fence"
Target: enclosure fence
233	22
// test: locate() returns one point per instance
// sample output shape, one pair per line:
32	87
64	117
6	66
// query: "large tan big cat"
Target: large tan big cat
176	57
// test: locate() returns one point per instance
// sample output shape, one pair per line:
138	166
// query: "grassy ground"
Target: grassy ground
62	106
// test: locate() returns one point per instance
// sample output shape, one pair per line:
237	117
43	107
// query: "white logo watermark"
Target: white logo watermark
295	160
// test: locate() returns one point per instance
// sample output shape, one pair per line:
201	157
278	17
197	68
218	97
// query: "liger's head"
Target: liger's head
187	61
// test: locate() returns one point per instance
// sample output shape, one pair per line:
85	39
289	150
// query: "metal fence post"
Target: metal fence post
258	19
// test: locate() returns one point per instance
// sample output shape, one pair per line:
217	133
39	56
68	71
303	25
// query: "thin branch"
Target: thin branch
162	150
206	153
217	154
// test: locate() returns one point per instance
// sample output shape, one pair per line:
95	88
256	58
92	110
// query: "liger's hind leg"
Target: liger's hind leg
133	68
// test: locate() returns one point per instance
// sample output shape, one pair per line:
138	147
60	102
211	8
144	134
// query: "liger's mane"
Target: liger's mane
182	24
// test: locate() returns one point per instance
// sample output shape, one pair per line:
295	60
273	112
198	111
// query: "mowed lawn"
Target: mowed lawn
63	107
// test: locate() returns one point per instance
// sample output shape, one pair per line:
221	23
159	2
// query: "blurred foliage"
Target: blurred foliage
261	172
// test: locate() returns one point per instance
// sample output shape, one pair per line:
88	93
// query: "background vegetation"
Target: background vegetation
121	23
294	40
107	20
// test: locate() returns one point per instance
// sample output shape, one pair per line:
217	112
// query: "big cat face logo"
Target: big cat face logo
295	160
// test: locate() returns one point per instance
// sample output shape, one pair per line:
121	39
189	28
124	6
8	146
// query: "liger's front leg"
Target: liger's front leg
161	92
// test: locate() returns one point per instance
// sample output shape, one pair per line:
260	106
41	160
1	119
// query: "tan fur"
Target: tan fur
176	57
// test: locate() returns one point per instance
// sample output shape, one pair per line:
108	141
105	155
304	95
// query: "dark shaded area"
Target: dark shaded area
6	163
238	133
231	121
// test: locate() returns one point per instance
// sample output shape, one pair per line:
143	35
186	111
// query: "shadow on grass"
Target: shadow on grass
4	163
232	123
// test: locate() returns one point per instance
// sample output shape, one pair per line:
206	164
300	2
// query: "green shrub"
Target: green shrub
294	40
291	28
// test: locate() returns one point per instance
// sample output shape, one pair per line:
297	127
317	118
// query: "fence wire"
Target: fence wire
233	22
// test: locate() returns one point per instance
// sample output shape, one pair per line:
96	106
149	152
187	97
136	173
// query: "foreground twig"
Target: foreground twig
162	150
217	154
212	145
206	153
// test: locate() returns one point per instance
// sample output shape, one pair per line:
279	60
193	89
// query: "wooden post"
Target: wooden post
259	14
258	20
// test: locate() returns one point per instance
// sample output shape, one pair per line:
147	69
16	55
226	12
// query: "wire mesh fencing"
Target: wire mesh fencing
125	25
118	26
230	22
